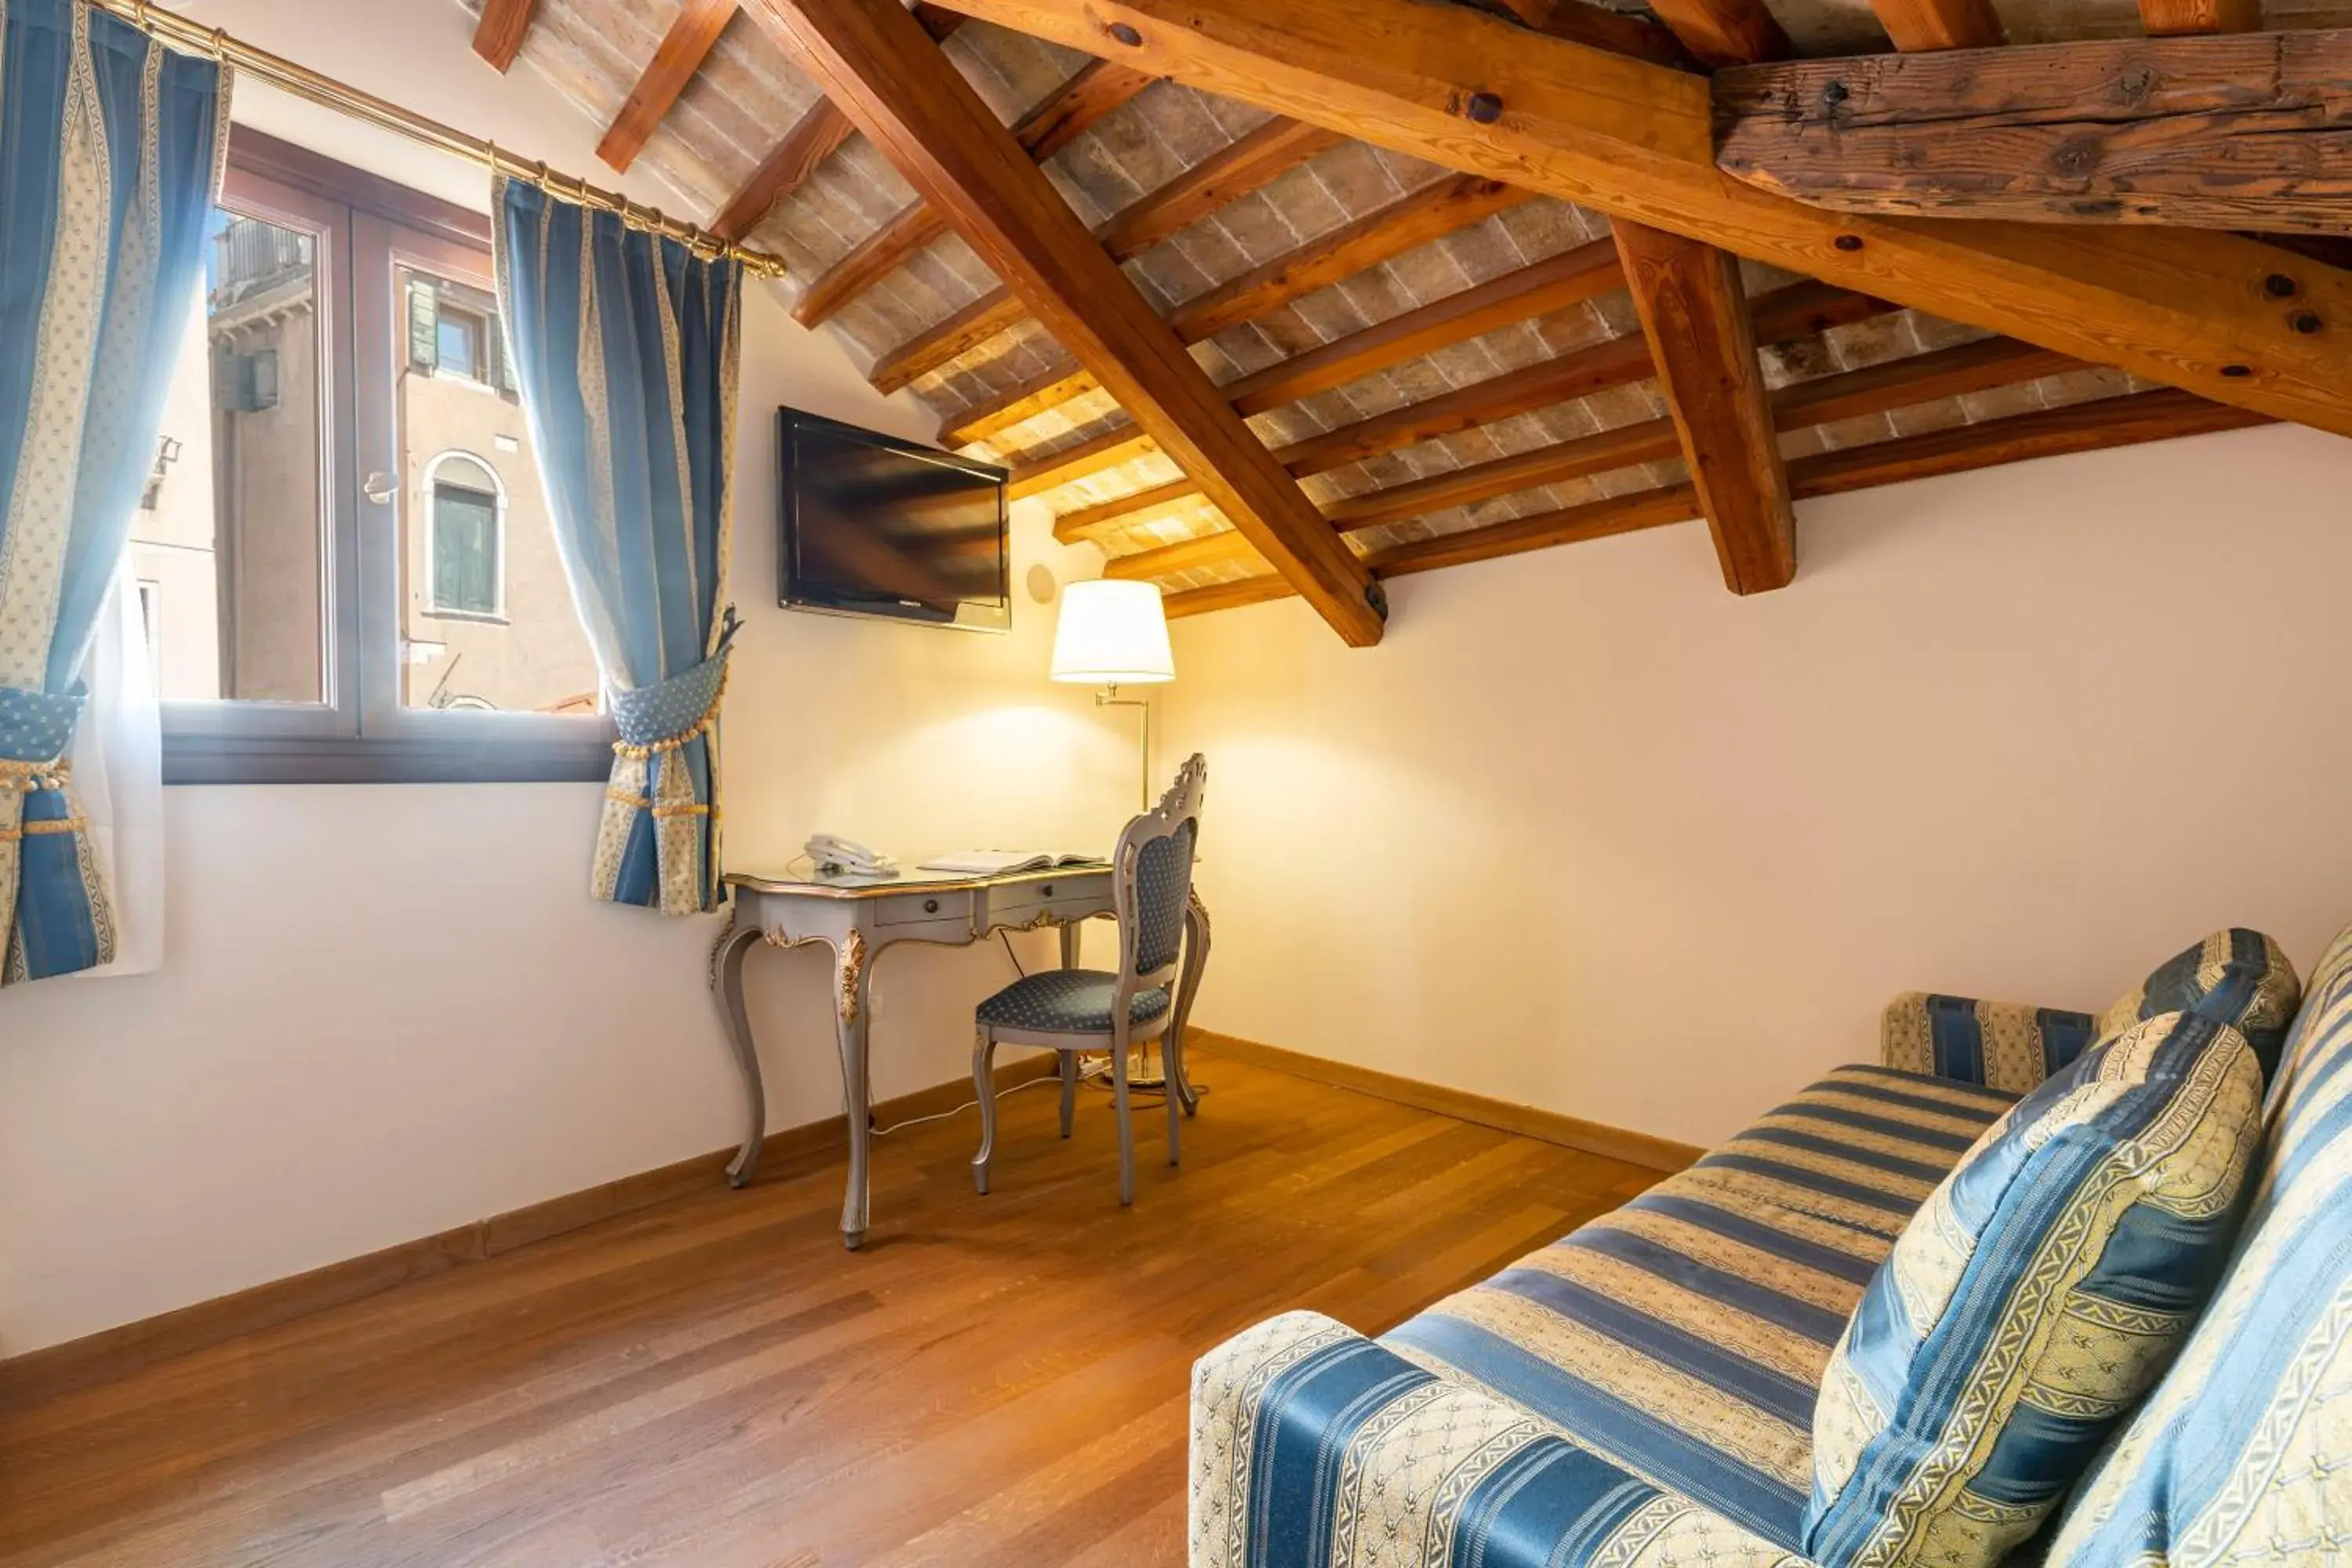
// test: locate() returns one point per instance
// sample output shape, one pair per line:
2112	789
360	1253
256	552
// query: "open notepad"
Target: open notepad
994	862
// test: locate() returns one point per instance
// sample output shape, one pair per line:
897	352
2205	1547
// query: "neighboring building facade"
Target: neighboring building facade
229	542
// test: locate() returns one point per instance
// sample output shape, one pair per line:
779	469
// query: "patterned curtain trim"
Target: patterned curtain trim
658	842
110	155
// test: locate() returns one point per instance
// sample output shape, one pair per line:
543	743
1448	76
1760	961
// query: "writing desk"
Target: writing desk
857	917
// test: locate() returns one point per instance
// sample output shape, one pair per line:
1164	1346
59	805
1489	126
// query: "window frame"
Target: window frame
367	229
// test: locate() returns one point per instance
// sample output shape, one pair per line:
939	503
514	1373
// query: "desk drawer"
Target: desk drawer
922	909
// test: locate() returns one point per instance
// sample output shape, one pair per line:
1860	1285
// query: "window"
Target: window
345	513
465	547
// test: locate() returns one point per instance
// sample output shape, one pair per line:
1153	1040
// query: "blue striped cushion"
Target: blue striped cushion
2035	1296
1314	1448
1683	1336
2245	1453
2237	977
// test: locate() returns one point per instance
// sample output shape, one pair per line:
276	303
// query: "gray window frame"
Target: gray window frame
367	229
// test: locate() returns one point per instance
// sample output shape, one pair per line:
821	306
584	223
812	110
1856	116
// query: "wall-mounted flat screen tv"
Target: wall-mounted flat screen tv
877	526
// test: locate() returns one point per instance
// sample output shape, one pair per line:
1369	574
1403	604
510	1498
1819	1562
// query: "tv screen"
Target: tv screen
876	526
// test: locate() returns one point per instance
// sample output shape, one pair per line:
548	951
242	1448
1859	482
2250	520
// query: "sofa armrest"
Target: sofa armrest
1313	1443
2011	1045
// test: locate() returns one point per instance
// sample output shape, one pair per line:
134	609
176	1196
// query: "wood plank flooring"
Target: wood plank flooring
713	1382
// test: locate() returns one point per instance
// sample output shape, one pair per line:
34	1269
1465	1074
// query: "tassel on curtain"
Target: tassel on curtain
625	343
110	155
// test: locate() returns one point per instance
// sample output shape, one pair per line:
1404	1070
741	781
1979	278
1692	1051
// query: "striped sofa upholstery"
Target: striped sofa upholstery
1641	1393
2244	1452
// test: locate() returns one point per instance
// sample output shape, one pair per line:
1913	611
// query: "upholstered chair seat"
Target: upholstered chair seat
1069	1001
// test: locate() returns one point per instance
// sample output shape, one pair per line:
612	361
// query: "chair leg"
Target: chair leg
1069	1091
1175	1100
1126	1121
983	1083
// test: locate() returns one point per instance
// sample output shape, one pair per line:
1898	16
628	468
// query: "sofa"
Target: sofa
1643	1393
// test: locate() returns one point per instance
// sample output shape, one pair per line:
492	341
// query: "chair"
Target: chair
1076	1010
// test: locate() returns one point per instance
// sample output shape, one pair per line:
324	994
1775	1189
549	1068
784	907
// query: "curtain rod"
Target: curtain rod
178	31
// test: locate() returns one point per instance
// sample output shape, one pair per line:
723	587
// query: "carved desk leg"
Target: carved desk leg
849	1021
1188	986
726	979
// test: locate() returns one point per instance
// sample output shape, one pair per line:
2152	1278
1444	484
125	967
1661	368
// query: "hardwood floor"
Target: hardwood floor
713	1382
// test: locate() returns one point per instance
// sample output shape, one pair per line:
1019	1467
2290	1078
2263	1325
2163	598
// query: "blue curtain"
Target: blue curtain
625	345
110	154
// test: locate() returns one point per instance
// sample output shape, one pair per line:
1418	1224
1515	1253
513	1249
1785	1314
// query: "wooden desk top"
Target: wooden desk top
913	880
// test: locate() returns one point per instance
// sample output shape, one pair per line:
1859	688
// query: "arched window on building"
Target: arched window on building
466	542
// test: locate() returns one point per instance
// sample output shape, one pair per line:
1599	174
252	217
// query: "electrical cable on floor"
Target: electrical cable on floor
959	1110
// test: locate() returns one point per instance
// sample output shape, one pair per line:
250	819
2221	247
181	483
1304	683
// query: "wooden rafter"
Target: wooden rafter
1696	317
821	129
1066	114
1725	32
1940	24
1597	25
876	62
2238	132
1849	394
2160	415
1526	293
1486	96
499	35
691	37
1785	315
1413	219
2171	18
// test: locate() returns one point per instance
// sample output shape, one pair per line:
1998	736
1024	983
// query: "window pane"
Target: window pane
485	613
229	539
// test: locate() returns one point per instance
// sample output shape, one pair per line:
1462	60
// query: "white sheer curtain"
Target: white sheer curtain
117	773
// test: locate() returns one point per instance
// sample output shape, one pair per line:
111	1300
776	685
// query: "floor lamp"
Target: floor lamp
1113	634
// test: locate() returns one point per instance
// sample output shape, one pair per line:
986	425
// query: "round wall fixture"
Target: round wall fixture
1041	583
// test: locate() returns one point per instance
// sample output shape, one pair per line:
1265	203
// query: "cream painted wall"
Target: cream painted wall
384	1011
1589	833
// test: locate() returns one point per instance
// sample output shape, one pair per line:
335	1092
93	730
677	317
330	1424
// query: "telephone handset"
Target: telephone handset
833	853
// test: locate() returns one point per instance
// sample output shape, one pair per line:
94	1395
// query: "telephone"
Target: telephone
833	853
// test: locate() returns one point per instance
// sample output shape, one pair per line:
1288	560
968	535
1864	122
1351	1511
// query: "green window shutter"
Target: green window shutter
502	360
424	324
465	551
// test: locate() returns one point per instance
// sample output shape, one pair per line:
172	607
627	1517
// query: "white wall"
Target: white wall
1589	833
384	1011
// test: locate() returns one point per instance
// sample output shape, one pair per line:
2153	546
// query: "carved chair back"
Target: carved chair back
1151	883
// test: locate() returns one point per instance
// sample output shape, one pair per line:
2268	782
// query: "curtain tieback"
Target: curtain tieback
668	714
35	731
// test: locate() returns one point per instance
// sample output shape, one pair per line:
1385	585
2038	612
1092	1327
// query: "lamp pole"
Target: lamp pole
1109	697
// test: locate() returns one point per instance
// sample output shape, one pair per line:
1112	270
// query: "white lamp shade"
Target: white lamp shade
1112	633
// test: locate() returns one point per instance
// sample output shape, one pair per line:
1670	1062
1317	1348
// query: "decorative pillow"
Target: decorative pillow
2237	977
2035	1296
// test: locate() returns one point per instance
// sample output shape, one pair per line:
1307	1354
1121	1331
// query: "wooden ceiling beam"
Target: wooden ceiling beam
1725	32
1849	394
2172	18
692	35
2161	415
819	131
1538	288
500	32
1785	315
1927	24
1602	28
1526	293
876	62
1410	220
2244	131
1250	162
1066	114
1484	95
1695	314
1799	310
